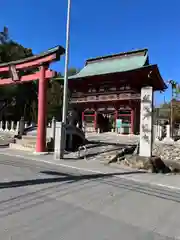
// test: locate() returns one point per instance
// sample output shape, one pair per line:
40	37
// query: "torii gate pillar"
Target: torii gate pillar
42	110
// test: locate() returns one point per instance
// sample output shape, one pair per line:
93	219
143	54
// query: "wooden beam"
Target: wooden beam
27	78
14	73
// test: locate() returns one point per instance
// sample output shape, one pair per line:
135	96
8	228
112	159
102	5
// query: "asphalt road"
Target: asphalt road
39	201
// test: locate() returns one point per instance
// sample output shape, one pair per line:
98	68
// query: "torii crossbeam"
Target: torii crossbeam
16	72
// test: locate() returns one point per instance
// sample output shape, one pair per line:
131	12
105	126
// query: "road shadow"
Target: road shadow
61	177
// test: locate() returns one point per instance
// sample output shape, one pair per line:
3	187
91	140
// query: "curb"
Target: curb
153	184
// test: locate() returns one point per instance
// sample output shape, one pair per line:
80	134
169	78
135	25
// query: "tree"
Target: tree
72	71
55	95
26	94
164	111
23	94
54	99
4	37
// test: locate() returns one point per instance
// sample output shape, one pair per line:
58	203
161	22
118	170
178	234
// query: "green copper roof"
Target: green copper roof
113	64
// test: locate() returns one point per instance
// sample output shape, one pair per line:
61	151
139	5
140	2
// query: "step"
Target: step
29	138
32	138
20	147
26	143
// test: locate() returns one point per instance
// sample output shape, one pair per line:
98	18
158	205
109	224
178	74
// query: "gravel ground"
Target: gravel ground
167	151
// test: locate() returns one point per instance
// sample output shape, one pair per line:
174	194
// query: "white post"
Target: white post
53	128
1	126
17	127
84	127
160	131
168	134
156	132
146	131
58	141
6	126
26	125
12	126
168	138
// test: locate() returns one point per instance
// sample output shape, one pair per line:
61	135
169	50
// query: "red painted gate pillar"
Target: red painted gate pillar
82	116
95	120
132	121
115	117
42	107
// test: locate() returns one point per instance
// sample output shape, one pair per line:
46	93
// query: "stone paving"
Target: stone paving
113	138
104	144
5	139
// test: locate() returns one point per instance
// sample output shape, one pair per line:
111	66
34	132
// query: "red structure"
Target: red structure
17	75
108	88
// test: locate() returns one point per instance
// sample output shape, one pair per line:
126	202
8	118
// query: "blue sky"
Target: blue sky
98	28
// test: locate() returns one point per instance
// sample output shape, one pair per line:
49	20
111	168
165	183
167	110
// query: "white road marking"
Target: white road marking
91	170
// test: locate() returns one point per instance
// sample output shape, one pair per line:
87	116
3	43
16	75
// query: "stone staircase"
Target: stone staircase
27	143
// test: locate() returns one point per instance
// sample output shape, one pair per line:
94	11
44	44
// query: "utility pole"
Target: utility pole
65	92
173	86
171	124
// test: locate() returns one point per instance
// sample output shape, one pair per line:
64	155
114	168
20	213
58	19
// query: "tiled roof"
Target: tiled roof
113	64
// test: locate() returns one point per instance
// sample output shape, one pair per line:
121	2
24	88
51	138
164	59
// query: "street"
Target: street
42	201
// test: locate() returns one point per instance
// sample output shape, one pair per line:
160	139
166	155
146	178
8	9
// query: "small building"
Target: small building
108	88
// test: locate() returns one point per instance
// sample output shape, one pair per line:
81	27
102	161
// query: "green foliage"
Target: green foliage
72	71
4	37
23	94
26	95
164	111
12	51
54	100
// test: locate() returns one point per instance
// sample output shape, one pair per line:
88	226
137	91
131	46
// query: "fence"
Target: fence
11	127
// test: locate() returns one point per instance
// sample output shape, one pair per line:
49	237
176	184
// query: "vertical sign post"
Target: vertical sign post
146	120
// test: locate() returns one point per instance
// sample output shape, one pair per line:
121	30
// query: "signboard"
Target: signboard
146	130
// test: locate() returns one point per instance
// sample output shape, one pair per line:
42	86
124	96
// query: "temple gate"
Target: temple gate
109	88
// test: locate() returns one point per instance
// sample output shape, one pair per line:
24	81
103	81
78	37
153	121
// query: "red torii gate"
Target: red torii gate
41	61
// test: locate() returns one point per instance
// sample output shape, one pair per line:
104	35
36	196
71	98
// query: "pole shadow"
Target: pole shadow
61	177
